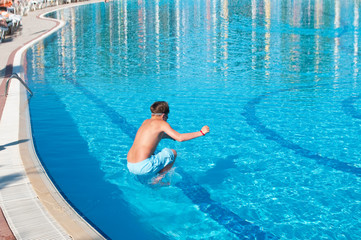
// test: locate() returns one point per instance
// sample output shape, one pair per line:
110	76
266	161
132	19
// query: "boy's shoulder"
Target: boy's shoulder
155	122
158	123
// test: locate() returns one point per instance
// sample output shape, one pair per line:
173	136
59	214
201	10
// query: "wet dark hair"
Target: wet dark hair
160	107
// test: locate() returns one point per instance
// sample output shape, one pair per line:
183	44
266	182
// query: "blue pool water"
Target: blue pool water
278	82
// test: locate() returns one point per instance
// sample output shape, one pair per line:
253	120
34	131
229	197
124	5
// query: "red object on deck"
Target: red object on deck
6	3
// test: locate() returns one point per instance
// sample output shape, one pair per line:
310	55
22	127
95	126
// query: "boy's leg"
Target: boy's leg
170	165
163	172
167	168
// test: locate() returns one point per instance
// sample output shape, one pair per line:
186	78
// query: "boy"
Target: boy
141	157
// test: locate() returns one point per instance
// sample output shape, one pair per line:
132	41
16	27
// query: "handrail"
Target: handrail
14	75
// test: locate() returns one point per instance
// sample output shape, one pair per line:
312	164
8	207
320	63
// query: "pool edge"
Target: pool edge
50	198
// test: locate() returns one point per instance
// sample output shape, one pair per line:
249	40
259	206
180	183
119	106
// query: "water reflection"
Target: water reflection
267	41
337	25
219	36
356	40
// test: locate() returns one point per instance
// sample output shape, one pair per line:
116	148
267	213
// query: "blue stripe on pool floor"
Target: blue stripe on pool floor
252	120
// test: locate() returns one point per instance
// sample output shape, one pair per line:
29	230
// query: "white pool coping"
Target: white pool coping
32	206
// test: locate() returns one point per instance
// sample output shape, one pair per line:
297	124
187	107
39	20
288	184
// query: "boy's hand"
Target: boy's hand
205	129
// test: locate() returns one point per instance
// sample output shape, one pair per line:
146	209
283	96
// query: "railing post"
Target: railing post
14	75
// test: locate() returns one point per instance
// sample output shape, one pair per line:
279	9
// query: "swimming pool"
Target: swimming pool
276	81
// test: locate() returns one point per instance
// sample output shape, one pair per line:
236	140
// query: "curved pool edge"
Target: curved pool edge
24	165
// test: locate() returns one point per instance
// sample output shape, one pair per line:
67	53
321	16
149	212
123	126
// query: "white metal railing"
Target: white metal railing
14	75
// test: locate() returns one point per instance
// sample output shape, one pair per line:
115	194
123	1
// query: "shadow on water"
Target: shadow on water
349	108
218	173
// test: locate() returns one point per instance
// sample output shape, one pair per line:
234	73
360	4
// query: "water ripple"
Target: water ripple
195	192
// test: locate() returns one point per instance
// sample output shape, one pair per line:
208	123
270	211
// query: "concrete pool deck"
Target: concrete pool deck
30	205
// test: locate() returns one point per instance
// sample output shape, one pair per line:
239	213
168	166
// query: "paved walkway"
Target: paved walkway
32	27
32	208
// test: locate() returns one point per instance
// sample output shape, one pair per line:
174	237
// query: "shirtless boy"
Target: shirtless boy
141	157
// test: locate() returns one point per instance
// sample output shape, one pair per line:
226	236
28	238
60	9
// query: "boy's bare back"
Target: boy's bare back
146	140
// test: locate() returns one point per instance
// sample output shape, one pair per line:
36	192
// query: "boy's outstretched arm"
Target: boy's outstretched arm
181	137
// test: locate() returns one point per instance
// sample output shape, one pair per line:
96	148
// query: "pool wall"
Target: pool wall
32	205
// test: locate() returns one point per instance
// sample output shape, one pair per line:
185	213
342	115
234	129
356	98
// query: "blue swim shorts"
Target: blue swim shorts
153	164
